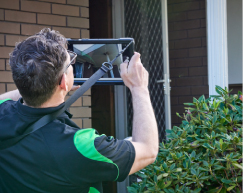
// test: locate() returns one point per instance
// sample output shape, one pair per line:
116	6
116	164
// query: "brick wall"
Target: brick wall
21	18
188	53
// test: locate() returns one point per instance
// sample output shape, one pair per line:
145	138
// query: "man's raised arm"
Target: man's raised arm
145	131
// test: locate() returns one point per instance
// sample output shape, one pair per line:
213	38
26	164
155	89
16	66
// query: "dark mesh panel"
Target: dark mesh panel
143	22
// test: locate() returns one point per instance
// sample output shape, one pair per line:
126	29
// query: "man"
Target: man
60	157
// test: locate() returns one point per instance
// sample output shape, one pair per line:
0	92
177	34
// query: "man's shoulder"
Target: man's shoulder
7	106
4	100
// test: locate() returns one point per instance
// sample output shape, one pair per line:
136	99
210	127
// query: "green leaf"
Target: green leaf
159	177
178	115
226	181
168	131
165	166
195	100
184	164
193	171
197	190
204	177
178	170
131	190
201	98
237	165
205	106
205	163
223	190
165	174
230	188
203	169
214	190
206	145
155	179
157	168
214	118
218	167
189	104
167	183
193	154
221	141
184	174
172	167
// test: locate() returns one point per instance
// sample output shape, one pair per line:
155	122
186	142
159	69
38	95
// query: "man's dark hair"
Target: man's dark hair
37	64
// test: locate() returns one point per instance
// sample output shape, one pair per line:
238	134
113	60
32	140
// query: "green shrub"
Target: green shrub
204	154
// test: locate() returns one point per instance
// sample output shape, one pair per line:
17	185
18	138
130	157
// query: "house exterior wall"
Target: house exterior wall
22	18
188	53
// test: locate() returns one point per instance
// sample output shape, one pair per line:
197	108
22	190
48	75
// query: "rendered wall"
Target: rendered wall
22	18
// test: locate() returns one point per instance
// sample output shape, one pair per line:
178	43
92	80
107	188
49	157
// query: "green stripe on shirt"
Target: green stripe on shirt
93	190
2	101
84	142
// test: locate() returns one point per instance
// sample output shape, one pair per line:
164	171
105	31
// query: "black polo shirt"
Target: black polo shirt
60	157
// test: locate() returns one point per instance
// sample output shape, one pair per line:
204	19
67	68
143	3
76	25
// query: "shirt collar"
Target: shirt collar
30	111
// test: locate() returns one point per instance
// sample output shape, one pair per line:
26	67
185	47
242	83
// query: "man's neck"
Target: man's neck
56	99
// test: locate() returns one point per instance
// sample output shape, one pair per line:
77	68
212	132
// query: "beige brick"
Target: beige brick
77	103
55	1
2	64
77	22
85	33
84	12
20	16
8	67
87	123
9	4
11	40
86	101
2	88
11	87
1	39
84	3
78	122
35	6
51	19
80	111
1	14
4	52
27	29
6	76
68	32
65	10
6	27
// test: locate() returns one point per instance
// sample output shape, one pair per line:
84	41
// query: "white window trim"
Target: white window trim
217	47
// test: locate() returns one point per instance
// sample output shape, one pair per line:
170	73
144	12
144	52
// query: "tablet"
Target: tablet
92	53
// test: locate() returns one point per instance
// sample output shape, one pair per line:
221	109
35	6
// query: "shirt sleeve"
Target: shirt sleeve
114	158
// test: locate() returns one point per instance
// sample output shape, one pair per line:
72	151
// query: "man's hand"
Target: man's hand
134	74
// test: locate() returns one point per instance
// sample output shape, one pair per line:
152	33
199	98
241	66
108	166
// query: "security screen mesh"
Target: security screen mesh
143	22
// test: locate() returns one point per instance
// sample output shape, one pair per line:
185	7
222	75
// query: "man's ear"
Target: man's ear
63	84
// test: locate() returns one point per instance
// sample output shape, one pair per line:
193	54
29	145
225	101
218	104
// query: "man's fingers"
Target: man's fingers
123	67
135	59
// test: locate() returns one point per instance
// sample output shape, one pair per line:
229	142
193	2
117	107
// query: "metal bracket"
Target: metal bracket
166	83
